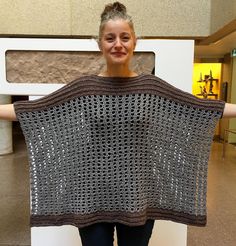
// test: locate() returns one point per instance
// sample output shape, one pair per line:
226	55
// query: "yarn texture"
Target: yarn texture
118	150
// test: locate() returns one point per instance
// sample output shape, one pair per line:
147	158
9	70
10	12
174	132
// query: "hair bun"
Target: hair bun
113	8
119	7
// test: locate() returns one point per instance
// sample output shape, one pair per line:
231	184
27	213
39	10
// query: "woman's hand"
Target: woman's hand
229	111
7	112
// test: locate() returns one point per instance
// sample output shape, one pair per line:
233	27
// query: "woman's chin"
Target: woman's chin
119	61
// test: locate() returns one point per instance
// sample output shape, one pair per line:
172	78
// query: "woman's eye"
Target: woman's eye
109	39
125	38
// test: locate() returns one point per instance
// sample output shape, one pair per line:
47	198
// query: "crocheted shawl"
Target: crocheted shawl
118	150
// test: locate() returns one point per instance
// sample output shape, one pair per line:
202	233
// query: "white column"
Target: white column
5	130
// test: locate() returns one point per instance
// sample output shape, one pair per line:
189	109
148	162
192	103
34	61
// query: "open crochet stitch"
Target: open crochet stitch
118	150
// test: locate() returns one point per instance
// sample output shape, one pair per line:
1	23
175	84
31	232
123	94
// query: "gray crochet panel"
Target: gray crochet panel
115	156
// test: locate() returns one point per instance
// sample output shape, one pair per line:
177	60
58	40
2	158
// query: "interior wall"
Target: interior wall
234	6
35	17
222	12
81	17
168	18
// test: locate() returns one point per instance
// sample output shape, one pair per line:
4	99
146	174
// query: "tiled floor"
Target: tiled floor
14	196
220	230
221	226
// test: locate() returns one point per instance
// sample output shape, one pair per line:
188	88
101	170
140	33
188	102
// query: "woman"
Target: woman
117	42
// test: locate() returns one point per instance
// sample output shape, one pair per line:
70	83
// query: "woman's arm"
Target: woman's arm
229	111
7	112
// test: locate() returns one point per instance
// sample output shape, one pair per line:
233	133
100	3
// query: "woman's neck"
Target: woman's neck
116	72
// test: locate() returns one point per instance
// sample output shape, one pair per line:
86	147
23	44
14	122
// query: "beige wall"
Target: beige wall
35	17
151	18
81	17
222	12
234	7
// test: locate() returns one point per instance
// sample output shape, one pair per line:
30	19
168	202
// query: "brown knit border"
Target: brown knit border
130	219
96	85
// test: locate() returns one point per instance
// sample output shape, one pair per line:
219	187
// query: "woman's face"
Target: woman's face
117	42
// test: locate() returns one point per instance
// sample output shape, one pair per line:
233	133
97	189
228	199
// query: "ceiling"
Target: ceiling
218	48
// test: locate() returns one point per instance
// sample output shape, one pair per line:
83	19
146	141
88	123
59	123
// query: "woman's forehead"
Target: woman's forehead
118	25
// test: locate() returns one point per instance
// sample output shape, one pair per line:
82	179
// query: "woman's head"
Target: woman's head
114	11
116	35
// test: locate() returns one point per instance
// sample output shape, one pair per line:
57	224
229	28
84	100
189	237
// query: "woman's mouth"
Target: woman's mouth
118	53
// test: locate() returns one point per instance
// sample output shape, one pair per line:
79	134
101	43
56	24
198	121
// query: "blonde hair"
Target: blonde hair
114	11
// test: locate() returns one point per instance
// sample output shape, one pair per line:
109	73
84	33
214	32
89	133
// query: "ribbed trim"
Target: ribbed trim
96	85
130	219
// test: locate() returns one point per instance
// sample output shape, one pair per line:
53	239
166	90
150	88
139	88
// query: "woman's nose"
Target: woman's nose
118	43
